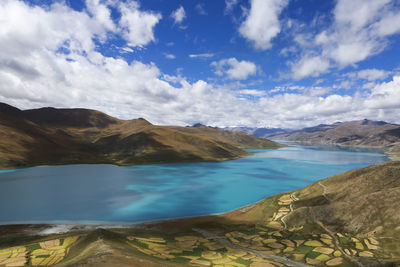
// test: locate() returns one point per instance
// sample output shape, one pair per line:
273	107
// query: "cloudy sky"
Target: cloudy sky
264	63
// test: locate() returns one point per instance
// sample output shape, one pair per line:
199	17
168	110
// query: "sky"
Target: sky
255	63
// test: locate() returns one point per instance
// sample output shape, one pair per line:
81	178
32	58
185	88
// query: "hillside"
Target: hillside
349	219
363	133
49	136
353	133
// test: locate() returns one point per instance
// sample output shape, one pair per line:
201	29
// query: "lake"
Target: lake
112	194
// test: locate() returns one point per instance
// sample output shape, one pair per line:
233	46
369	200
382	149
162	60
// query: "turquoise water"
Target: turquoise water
107	193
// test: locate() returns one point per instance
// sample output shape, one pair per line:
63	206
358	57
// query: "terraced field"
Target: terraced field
271	238
197	251
248	246
316	249
37	254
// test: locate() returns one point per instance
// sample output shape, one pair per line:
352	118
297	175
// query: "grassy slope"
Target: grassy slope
363	202
51	136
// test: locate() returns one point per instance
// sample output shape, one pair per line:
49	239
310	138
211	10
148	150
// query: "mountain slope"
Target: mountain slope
353	133
66	136
357	205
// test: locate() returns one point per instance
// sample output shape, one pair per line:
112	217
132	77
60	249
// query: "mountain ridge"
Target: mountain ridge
50	136
358	133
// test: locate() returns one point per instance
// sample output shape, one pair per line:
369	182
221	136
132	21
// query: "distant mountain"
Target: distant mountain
49	136
364	133
258	132
353	133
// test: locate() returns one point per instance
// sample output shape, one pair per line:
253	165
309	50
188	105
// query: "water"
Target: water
107	193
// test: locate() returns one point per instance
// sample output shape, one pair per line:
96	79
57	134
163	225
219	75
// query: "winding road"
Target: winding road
291	210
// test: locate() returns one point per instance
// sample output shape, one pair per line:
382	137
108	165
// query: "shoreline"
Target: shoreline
129	224
393	156
15	168
104	224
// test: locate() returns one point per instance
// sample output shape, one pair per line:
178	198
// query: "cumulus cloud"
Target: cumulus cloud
360	29
385	95
234	69
262	22
178	15
101	12
310	66
137	26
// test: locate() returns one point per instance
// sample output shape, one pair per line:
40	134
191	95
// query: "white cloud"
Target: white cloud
385	95
127	50
137	26
234	69
369	74
360	29
262	23
204	55
169	56
252	92
34	73
101	12
309	66
178	15
230	5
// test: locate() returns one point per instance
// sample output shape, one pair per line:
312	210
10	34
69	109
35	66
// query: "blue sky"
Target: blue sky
264	63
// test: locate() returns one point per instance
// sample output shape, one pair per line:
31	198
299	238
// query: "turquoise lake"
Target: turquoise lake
112	194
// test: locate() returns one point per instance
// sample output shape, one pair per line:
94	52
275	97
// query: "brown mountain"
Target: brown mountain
49	136
365	133
352	133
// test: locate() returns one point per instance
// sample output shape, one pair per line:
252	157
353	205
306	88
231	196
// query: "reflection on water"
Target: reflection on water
109	193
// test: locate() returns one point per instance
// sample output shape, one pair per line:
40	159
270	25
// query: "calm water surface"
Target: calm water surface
107	193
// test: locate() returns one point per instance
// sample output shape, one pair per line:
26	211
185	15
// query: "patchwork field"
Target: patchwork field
37	254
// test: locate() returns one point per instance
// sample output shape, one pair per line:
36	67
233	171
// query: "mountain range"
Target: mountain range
49	136
362	133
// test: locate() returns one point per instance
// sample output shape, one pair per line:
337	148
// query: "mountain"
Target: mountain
49	136
353	133
350	219
362	133
258	132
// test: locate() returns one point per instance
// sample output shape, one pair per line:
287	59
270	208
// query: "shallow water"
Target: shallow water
107	193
